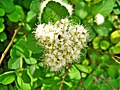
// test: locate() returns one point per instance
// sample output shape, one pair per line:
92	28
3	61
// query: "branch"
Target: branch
95	76
114	58
10	44
81	82
63	77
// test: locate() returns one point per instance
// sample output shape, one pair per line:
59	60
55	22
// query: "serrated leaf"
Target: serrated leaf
104	8
7	5
7	77
53	12
17	15
14	63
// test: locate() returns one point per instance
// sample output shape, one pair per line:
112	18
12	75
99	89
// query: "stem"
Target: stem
95	76
20	62
81	82
63	77
114	58
9	45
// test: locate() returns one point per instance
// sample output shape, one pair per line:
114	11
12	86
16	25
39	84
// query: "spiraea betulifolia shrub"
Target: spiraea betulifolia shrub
59	45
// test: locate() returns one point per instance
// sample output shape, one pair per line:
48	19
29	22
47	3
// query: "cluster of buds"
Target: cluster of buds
62	41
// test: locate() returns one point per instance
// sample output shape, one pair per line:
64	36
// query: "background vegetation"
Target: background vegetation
21	68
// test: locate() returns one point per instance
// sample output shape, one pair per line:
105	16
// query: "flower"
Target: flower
99	19
62	41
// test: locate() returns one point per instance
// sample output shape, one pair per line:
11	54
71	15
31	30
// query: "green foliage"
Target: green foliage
55	13
22	68
17	15
7	77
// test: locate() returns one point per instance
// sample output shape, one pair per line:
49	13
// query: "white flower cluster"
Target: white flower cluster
62	41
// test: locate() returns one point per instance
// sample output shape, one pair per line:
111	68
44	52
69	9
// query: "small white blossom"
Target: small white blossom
62	45
99	19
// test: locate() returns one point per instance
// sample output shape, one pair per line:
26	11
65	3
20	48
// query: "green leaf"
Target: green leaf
83	54
117	11
104	45
7	77
93	87
104	8
114	83
53	12
3	87
21	84
101	30
15	53
2	12
31	60
96	42
30	16
17	15
21	47
25	77
88	81
1	20
31	41
27	3
115	36
7	5
105	58
2	27
35	6
104	86
116	50
112	72
81	9
74	73
14	63
91	35
99	71
3	36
